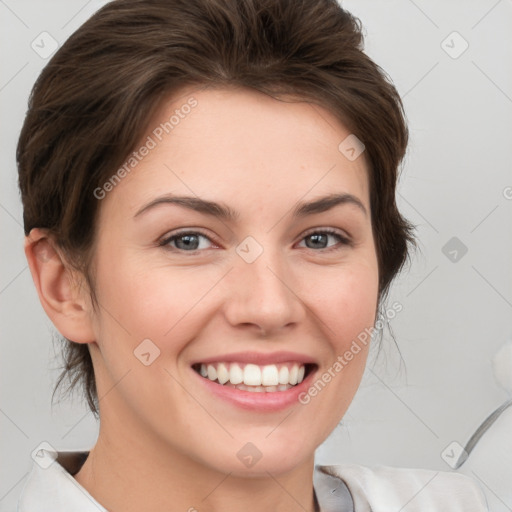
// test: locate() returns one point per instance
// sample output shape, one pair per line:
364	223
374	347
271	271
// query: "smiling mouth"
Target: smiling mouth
256	378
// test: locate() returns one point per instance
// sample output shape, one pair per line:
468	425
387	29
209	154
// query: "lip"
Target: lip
254	401
259	358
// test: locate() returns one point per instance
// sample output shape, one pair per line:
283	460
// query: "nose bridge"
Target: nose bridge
263	292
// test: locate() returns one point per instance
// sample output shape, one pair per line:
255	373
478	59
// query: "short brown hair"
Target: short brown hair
92	103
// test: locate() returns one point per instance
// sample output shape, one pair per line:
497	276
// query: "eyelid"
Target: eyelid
344	237
164	240
327	229
331	231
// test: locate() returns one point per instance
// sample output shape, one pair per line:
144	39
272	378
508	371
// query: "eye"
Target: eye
191	241
188	241
319	239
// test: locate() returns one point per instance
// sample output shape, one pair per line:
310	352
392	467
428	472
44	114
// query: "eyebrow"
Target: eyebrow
223	212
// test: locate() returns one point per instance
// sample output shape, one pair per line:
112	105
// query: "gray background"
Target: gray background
456	314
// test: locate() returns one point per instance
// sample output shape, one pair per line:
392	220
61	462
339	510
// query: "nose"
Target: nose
263	295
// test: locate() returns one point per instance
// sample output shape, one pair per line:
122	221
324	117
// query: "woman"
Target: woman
209	204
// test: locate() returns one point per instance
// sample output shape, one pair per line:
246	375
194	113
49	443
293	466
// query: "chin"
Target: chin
253	459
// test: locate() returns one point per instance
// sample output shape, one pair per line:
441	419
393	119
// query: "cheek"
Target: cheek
346	302
146	301
162	303
159	304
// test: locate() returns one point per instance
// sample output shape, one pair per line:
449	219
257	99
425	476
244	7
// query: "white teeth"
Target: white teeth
222	373
294	373
270	375
283	375
251	377
236	374
212	372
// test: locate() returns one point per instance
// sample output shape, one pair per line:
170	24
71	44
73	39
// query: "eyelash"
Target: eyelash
343	240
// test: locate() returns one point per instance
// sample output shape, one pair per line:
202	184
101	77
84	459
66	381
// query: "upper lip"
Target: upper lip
259	358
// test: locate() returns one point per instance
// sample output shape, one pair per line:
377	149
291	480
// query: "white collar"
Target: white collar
51	485
340	488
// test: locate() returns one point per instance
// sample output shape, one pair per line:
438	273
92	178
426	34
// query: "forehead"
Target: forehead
243	145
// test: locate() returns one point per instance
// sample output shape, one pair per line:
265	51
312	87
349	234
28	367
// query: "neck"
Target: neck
149	476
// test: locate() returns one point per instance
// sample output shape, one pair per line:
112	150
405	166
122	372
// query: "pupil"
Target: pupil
318	238
190	241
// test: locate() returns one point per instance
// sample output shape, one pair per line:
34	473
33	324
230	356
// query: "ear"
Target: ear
62	291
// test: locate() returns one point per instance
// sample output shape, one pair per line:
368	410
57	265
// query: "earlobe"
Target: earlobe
63	298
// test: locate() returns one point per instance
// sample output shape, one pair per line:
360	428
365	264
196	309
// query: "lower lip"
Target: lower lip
258	401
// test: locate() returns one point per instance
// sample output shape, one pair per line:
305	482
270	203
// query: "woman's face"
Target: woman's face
240	275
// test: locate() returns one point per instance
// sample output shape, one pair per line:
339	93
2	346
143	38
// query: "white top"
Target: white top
340	488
